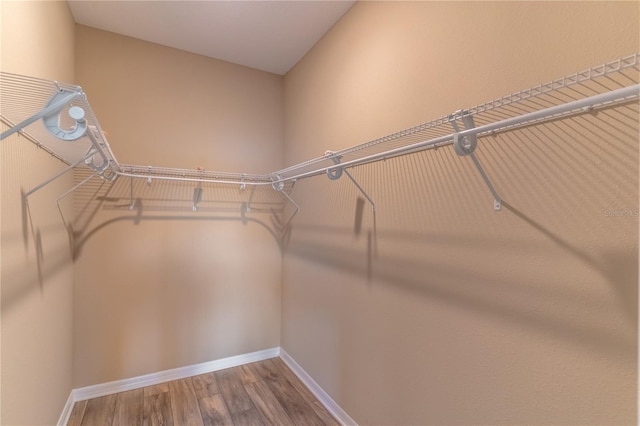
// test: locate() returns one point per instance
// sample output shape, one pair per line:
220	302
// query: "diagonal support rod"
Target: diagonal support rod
373	210
56	176
85	180
465	145
297	209
373	205
497	201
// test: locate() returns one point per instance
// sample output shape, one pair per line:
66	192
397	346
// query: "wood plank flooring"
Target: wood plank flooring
261	393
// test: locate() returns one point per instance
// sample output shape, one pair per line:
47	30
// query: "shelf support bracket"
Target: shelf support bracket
334	173
55	105
466	145
278	185
497	201
57	175
132	203
362	191
295	212
69	226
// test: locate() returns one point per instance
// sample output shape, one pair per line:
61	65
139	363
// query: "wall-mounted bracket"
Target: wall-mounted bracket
53	108
465	145
278	183
52	121
335	173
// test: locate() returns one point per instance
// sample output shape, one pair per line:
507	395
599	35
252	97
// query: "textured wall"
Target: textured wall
37	310
162	287
466	315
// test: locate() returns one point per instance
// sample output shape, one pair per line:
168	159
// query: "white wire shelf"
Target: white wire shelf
42	110
192	175
23	98
600	86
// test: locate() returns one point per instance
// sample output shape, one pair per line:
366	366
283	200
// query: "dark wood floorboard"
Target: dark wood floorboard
184	404
261	393
214	411
77	413
100	411
156	389
304	391
157	410
129	408
250	417
290	399
268	405
205	385
232	389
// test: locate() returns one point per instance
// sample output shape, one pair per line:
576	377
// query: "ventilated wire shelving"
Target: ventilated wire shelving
57	118
601	86
27	103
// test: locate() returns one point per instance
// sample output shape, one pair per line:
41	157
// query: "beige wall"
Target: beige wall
170	287
466	315
37	312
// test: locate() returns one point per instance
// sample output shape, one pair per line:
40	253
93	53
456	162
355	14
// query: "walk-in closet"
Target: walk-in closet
319	212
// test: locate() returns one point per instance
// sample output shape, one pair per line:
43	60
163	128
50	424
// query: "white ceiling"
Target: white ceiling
268	35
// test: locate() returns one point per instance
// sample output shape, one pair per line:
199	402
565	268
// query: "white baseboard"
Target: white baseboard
66	411
319	393
95	391
117	386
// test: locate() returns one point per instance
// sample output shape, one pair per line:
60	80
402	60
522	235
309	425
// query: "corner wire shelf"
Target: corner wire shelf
77	141
25	101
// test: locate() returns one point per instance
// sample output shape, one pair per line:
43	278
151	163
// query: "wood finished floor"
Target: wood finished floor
261	393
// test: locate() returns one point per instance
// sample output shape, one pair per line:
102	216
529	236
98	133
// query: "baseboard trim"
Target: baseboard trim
66	411
95	391
319	393
177	373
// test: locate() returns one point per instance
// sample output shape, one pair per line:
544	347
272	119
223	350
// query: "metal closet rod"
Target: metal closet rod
573	107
